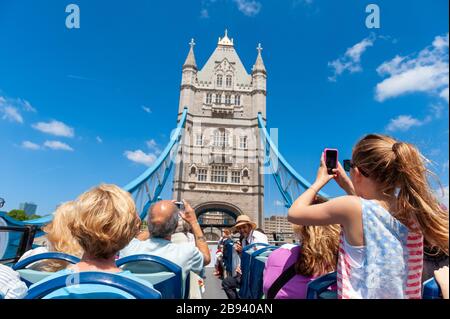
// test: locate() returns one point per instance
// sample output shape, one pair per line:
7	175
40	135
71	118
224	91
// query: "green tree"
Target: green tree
19	214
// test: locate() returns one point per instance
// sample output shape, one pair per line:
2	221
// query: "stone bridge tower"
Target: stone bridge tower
220	168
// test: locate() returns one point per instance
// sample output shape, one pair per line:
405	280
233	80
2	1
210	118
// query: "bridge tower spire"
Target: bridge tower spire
259	79
188	79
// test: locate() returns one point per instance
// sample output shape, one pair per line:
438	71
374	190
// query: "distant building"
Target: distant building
280	226
29	208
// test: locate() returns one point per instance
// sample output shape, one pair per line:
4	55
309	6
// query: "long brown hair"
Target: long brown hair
399	170
319	249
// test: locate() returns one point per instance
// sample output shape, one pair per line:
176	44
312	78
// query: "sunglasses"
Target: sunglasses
348	164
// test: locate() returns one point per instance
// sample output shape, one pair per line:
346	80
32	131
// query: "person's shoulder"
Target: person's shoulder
133	247
348	204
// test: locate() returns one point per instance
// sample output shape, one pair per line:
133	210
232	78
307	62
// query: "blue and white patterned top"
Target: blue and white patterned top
392	264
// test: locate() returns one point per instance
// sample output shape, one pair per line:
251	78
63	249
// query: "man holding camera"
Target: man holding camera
248	235
162	221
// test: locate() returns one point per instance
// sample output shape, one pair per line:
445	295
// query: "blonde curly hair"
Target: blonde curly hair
106	222
60	238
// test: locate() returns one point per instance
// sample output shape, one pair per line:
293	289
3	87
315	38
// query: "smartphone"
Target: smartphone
331	159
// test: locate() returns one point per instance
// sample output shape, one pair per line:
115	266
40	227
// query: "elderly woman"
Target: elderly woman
106	222
59	239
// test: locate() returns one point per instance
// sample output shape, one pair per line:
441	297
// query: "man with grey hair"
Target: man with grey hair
162	220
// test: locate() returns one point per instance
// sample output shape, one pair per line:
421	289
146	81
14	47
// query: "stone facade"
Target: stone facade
220	162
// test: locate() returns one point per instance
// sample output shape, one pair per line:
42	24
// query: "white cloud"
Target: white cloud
147	109
99	139
425	72
30	145
11	113
9	108
55	128
57	145
405	122
351	60
140	157
248	7
152	145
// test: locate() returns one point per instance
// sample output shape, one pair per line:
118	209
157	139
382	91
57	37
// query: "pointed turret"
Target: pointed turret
259	79
190	60
259	64
188	79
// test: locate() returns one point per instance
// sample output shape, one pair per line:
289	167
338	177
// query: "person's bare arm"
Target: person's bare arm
345	210
441	276
200	240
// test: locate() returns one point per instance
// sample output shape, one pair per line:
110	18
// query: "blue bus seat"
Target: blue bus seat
257	265
228	257
319	288
92	285
431	289
30	276
165	275
247	252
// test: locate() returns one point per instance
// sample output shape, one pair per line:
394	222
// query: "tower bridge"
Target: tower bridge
221	154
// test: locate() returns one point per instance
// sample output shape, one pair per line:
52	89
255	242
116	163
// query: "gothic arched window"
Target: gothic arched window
228	81
237	100
219	80
218	98
208	98
228	99
220	138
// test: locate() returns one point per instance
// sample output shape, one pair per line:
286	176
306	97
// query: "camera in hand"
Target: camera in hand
331	158
180	205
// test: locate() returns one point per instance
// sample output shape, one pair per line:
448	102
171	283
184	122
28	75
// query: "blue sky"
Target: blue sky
72	102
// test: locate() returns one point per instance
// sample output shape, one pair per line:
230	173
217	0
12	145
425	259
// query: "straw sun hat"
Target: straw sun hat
242	220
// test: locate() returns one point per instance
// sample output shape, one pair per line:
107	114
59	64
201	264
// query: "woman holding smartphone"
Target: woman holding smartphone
389	211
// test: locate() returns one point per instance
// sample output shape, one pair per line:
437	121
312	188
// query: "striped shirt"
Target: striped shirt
392	263
11	287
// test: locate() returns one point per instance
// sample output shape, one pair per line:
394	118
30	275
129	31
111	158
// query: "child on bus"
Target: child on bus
389	211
